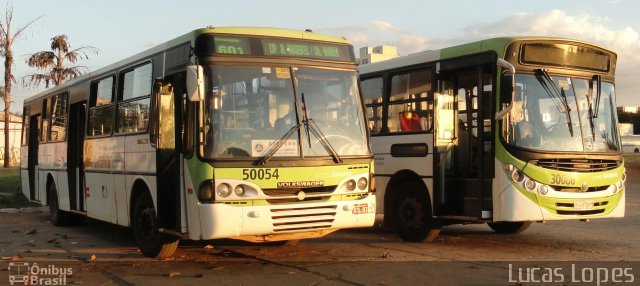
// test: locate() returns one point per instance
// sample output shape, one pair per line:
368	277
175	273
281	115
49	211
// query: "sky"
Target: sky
121	28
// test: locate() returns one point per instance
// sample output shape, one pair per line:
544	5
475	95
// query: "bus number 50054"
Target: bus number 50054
260	174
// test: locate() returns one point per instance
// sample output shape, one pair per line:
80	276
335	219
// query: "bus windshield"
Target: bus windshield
558	113
250	109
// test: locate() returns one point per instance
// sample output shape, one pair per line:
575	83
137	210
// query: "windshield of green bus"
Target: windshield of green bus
249	109
564	120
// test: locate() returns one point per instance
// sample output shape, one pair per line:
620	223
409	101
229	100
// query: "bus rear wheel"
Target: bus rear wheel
508	227
413	217
150	241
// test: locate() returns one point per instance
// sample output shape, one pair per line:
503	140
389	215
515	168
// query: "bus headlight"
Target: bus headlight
362	183
223	190
239	190
350	185
205	193
543	189
530	184
517	176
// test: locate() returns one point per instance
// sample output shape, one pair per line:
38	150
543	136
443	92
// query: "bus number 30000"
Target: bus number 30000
260	174
562	180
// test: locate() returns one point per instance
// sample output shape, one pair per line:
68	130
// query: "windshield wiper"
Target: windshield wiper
598	80
552	90
311	126
591	114
275	147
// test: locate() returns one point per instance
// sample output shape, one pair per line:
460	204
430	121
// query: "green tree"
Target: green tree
7	38
52	62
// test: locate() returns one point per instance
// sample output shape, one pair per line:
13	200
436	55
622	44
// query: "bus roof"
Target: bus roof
498	45
190	37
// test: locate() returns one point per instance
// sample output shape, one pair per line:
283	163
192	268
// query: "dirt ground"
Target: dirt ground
104	254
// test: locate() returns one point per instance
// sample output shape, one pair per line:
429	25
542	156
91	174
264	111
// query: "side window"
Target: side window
372	93
134	99
58	117
410	102
101	108
44	122
25	126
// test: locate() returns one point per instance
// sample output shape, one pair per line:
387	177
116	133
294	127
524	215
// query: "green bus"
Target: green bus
247	133
504	131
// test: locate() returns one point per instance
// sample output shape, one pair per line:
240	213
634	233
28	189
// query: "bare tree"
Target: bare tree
7	38
52	62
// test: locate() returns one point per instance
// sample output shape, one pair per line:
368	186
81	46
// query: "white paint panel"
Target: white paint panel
101	196
191	205
62	185
104	154
386	164
24	179
24	157
122	211
140	156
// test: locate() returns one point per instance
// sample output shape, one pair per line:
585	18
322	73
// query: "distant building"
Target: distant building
625	129
376	54
15	130
629	109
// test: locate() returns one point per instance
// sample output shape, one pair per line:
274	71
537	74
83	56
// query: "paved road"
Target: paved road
103	254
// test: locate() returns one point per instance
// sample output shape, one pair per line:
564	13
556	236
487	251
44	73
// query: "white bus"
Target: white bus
255	134
504	131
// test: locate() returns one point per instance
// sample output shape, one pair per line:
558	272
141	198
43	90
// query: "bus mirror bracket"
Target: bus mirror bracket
512	70
195	83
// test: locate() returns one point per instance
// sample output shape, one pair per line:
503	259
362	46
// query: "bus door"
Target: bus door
33	155
75	155
167	155
465	164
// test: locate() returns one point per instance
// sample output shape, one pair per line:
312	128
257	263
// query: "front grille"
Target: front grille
578	165
579	190
589	212
303	218
294	191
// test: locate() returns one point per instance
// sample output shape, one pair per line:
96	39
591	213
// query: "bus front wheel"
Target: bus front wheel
413	217
151	242
58	216
508	227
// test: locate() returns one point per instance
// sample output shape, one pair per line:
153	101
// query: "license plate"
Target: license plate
583	205
360	209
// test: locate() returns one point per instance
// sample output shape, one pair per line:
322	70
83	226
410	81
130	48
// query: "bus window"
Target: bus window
101	108
134	100
410	106
372	94
58	118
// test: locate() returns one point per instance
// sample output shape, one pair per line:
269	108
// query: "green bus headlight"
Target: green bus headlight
223	190
362	183
351	185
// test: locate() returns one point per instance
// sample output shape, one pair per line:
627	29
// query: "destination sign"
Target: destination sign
290	48
273	47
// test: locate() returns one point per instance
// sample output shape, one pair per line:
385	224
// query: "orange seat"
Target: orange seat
410	121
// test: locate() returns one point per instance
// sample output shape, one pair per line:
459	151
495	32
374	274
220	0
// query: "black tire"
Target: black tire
150	241
59	217
414	220
509	227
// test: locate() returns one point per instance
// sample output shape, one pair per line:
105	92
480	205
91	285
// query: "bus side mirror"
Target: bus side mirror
506	90
195	83
512	95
